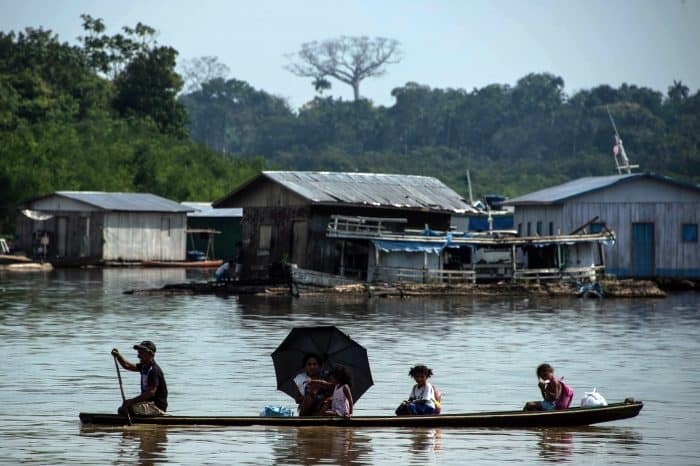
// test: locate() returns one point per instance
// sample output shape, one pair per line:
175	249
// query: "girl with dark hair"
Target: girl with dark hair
423	398
555	393
341	402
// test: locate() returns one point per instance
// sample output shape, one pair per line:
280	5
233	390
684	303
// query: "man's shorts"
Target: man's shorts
147	408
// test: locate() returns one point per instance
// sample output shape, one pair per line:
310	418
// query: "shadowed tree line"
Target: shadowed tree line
105	115
101	115
513	138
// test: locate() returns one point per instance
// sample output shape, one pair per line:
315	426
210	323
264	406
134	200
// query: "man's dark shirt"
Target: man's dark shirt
152	376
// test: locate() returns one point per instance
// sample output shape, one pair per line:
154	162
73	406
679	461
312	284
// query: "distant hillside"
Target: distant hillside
513	139
104	115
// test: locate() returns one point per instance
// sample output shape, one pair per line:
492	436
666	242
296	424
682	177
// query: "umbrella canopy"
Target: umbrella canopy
332	346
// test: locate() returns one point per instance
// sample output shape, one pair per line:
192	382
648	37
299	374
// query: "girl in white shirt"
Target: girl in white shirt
422	398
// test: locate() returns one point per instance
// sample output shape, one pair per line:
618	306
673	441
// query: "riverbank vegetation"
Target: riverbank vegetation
108	113
102	116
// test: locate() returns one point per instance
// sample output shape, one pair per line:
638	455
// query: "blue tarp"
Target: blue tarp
500	222
409	246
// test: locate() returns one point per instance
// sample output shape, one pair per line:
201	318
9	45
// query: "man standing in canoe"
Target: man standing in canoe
153	399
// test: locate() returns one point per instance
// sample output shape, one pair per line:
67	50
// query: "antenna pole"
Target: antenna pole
469	182
623	155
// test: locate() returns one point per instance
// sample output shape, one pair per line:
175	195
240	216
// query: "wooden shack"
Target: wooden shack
82	227
213	231
655	220
286	215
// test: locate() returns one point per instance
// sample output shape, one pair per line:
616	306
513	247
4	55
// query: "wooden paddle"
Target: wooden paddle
121	388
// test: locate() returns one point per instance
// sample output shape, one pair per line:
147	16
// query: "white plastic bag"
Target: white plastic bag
593	399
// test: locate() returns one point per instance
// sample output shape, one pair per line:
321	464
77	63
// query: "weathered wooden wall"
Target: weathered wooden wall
81	239
266	193
665	205
259	263
136	236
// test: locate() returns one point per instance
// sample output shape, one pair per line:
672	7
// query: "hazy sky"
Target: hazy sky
459	44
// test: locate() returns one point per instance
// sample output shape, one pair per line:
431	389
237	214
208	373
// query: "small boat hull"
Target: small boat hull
189	264
503	419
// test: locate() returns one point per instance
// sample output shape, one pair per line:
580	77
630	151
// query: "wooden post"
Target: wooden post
425	266
342	258
559	264
514	265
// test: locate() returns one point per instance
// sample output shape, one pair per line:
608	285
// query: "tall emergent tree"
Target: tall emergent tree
347	59
200	70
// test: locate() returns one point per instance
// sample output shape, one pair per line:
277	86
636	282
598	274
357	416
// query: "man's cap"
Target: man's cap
146	346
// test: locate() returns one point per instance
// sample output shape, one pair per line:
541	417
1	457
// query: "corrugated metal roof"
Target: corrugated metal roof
571	189
406	191
204	209
130	202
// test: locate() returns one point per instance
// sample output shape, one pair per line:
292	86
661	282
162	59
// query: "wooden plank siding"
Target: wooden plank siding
313	251
78	243
667	206
136	236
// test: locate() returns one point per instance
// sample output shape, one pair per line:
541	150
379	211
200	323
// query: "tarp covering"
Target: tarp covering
409	246
500	222
37	215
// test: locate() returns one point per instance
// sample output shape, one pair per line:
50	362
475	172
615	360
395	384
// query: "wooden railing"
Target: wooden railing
364	226
583	274
408	275
399	274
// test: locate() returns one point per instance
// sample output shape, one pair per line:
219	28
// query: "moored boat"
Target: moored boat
189	264
504	419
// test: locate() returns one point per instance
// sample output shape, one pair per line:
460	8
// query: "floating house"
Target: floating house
286	215
428	256
81	227
655	219
214	232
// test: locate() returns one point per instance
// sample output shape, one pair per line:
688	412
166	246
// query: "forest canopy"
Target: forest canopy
513	139
103	116
109	114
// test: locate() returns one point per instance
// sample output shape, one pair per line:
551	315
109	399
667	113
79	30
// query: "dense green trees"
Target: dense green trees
512	138
99	116
103	115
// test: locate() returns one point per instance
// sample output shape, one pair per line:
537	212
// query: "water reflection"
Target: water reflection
142	445
426	441
559	444
555	444
316	445
152	444
57	330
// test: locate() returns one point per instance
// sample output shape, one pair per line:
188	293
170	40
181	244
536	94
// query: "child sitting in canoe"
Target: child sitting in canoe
423	398
556	394
339	381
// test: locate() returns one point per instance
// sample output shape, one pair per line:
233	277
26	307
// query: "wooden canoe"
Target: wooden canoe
189	264
506	419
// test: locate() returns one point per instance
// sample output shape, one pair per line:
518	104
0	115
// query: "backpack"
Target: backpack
437	401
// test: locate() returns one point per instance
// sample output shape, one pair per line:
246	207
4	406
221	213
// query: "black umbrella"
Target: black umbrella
331	345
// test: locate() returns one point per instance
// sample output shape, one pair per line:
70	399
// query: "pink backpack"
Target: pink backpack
567	394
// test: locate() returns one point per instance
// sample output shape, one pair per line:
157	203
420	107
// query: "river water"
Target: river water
57	329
